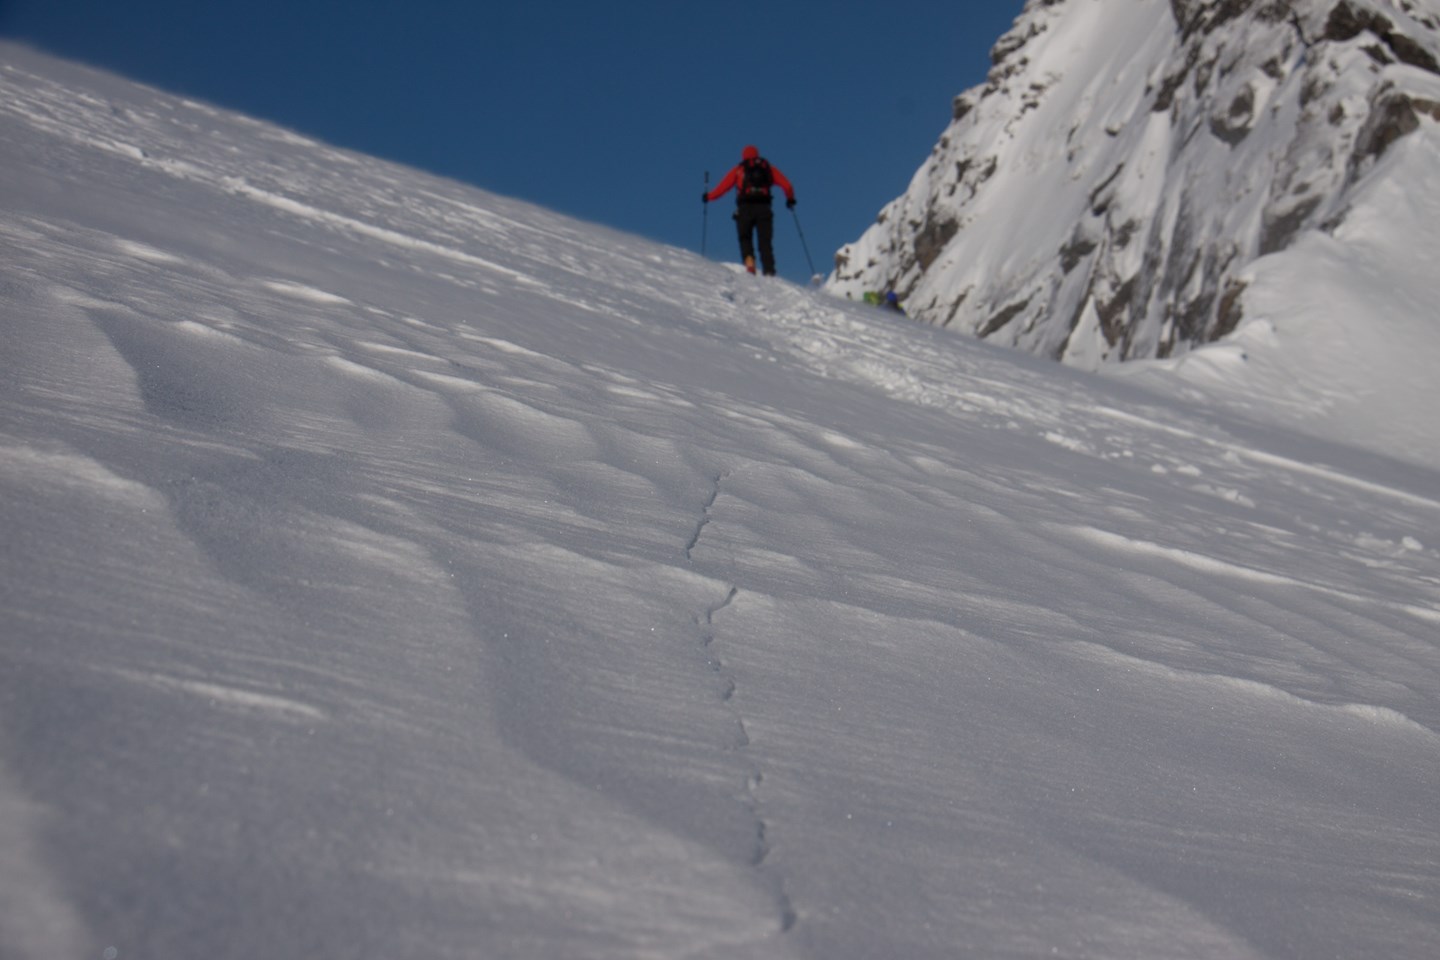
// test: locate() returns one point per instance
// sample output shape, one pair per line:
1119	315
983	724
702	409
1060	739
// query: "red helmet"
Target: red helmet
749	153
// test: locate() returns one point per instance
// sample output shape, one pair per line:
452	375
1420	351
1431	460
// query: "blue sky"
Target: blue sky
611	112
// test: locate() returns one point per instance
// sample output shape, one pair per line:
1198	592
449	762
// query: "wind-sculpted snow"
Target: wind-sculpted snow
394	570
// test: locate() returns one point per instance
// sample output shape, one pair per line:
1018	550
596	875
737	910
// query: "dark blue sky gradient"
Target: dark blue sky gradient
610	112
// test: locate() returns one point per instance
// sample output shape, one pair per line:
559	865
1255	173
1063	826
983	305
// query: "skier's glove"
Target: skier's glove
705	197
790	204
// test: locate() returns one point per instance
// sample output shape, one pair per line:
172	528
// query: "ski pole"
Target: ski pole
705	217
803	245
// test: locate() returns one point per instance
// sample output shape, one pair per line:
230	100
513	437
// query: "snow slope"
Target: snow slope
390	569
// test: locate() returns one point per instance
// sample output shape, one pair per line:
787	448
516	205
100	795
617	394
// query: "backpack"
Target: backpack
757	180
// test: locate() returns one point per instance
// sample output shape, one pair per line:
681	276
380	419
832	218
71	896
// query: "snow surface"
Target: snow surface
391	569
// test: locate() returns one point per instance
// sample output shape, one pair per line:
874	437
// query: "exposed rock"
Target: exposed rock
931	238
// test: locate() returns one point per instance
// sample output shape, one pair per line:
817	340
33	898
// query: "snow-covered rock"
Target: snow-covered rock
1107	193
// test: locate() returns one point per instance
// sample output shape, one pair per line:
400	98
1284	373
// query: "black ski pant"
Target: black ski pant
752	219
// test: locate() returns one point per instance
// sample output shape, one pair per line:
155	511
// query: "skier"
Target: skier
752	179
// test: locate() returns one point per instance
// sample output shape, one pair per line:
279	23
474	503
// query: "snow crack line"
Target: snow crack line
705	513
750	799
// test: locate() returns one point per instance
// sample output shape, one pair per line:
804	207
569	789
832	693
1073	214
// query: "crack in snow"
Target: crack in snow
705	514
750	800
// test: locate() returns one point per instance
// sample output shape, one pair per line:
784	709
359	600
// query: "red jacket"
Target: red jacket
736	177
